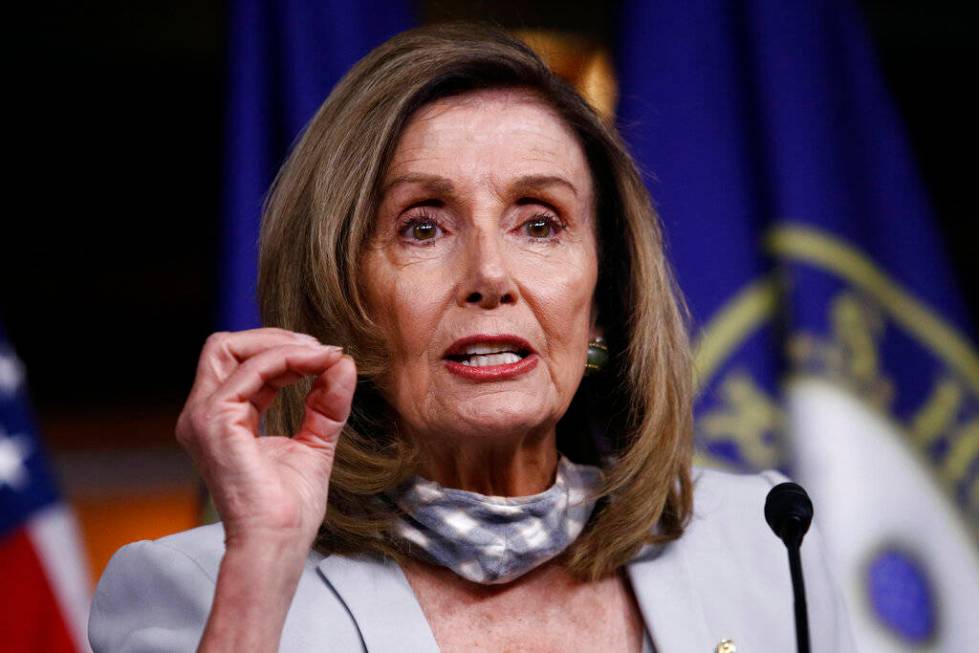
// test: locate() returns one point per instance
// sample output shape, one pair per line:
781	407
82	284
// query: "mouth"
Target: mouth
485	357
487	351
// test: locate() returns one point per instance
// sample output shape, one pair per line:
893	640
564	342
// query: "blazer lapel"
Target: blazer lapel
669	605
381	602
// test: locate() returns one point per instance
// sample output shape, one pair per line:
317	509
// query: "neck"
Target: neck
519	467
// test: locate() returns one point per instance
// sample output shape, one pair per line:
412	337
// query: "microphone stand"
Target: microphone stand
799	596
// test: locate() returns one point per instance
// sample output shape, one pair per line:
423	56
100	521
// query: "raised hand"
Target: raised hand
270	491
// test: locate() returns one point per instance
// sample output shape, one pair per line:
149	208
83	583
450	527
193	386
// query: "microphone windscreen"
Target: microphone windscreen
788	511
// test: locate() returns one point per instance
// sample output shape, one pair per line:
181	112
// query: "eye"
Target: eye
420	229
542	226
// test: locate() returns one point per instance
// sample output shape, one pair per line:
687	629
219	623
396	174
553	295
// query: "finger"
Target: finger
224	352
249	391
275	367
264	397
328	405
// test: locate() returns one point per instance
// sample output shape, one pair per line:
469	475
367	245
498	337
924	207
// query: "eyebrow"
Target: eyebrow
432	183
529	183
443	186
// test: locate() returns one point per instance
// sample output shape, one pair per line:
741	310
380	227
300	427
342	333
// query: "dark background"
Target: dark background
109	246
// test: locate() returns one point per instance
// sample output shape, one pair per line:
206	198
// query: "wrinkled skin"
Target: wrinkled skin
486	226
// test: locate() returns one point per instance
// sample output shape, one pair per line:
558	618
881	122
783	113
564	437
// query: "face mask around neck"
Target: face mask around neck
492	540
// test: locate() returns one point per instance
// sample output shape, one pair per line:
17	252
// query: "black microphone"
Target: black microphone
788	511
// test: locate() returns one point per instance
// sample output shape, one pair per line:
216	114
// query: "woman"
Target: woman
473	235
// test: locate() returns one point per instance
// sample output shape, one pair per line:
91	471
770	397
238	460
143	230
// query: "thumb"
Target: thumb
328	405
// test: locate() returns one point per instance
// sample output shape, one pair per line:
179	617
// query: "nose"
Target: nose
488	282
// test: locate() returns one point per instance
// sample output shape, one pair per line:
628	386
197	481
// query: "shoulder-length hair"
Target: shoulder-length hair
633	419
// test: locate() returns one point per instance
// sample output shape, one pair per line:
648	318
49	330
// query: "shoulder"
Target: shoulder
202	546
739	568
727	536
156	596
723	497
718	488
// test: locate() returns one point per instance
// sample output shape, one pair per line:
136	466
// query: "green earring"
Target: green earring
597	356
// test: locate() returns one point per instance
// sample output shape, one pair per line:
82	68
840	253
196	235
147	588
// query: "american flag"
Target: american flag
42	570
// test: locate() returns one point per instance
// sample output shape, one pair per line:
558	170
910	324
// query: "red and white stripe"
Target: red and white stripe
45	585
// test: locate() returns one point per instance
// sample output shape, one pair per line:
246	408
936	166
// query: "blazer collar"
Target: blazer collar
670	607
381	602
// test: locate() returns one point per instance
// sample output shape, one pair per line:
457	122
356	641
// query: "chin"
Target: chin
502	414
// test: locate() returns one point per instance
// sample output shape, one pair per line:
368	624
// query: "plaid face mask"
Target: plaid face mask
492	540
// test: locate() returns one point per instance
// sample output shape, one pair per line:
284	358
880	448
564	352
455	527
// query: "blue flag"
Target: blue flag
830	340
284	58
26	483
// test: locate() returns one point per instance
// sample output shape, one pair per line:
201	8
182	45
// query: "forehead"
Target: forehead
499	132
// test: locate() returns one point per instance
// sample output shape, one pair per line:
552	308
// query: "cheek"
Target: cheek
564	307
404	302
412	315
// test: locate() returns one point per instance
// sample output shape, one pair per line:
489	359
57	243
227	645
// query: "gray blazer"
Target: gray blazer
726	578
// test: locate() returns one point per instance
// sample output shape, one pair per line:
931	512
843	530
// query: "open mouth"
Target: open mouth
484	351
487	355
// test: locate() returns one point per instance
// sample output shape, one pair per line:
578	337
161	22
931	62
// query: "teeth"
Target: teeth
485	348
506	358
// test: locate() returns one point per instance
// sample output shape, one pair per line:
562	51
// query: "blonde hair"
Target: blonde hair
634	419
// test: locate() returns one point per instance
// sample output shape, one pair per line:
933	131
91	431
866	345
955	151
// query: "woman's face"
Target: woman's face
482	268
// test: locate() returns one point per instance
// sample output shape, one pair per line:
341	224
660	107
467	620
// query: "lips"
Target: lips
490	357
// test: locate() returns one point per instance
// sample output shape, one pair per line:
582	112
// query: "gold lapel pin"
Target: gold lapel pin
726	646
